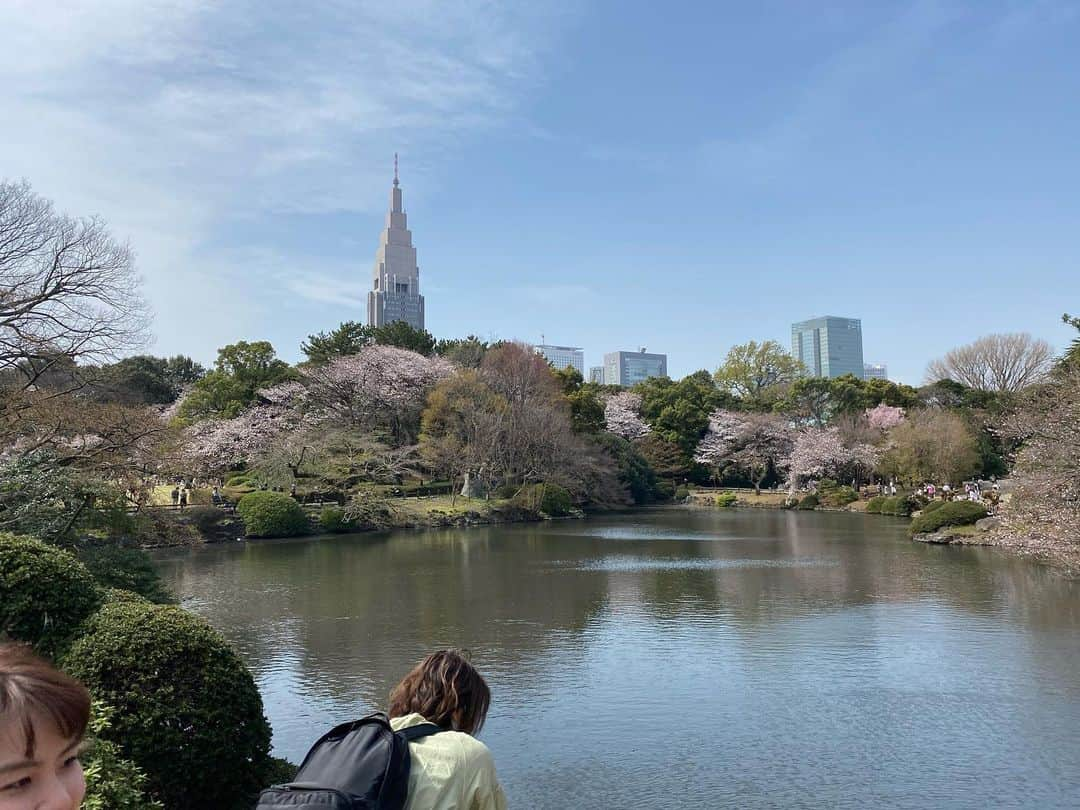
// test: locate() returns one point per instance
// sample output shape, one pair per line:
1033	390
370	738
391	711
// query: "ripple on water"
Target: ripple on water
652	564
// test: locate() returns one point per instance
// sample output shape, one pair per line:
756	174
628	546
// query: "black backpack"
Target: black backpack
362	765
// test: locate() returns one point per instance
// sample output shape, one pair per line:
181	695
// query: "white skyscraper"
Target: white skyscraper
563	356
396	276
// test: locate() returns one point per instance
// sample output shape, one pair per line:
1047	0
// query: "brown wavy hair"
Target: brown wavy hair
446	689
32	690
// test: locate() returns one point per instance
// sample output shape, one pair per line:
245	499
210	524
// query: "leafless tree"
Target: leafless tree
1005	362
68	290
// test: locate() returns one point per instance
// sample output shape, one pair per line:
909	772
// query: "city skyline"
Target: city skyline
822	162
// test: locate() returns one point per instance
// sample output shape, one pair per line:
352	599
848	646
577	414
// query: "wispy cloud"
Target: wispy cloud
176	119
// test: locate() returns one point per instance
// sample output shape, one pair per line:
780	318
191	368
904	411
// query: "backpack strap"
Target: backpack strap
422	730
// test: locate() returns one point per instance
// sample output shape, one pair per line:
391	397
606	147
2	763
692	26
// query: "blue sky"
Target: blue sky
679	176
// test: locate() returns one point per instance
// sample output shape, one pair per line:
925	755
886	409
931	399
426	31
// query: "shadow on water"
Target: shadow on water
825	646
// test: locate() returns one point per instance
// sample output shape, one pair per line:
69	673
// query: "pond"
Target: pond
678	657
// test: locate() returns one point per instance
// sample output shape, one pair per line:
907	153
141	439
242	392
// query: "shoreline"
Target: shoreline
1062	557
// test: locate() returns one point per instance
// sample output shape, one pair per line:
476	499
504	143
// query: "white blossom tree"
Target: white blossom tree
622	415
752	443
821	453
884	417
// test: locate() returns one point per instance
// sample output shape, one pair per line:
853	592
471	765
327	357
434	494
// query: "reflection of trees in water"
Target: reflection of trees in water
346	616
366	609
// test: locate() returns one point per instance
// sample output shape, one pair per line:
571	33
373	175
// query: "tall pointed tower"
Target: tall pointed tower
396	276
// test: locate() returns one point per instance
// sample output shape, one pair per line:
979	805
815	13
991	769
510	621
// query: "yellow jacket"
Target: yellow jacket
450	771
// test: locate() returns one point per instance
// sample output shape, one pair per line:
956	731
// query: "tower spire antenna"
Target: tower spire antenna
395	169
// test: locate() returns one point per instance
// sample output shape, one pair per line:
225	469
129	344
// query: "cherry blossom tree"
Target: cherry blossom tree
752	443
883	417
821	453
622	415
1046	501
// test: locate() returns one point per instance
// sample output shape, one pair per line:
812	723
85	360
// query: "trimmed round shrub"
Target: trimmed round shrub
933	506
551	499
682	493
111	596
45	593
112	782
952	513
127	569
506	491
556	501
873	506
272	514
334	519
808	502
726	499
184	708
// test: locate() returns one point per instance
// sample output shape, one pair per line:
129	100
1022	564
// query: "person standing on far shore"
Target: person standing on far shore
175	496
183	499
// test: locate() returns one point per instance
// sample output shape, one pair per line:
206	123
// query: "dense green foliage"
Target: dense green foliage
146	379
551	499
898	505
635	473
818	400
830	493
755	372
952	513
933	506
404	336
241	369
586	406
43	497
808	502
272	514
679	411
113	782
726	499
45	593
348	338
186	710
467	352
128	569
334	519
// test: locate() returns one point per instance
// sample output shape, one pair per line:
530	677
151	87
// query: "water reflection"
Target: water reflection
780	657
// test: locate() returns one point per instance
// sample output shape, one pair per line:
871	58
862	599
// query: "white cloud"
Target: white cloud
178	120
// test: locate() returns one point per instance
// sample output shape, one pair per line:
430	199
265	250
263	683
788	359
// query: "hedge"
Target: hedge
952	513
899	505
45	593
272	514
809	502
185	709
726	499
933	506
682	493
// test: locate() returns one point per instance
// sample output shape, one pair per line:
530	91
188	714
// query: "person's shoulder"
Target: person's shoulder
472	749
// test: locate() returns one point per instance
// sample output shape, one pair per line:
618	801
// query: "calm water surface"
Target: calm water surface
682	658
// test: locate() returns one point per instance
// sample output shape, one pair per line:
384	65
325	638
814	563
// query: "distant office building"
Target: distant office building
596	374
563	356
396	277
829	346
630	368
875	371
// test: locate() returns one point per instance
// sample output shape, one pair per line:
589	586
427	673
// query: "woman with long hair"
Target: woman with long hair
43	717
450	770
